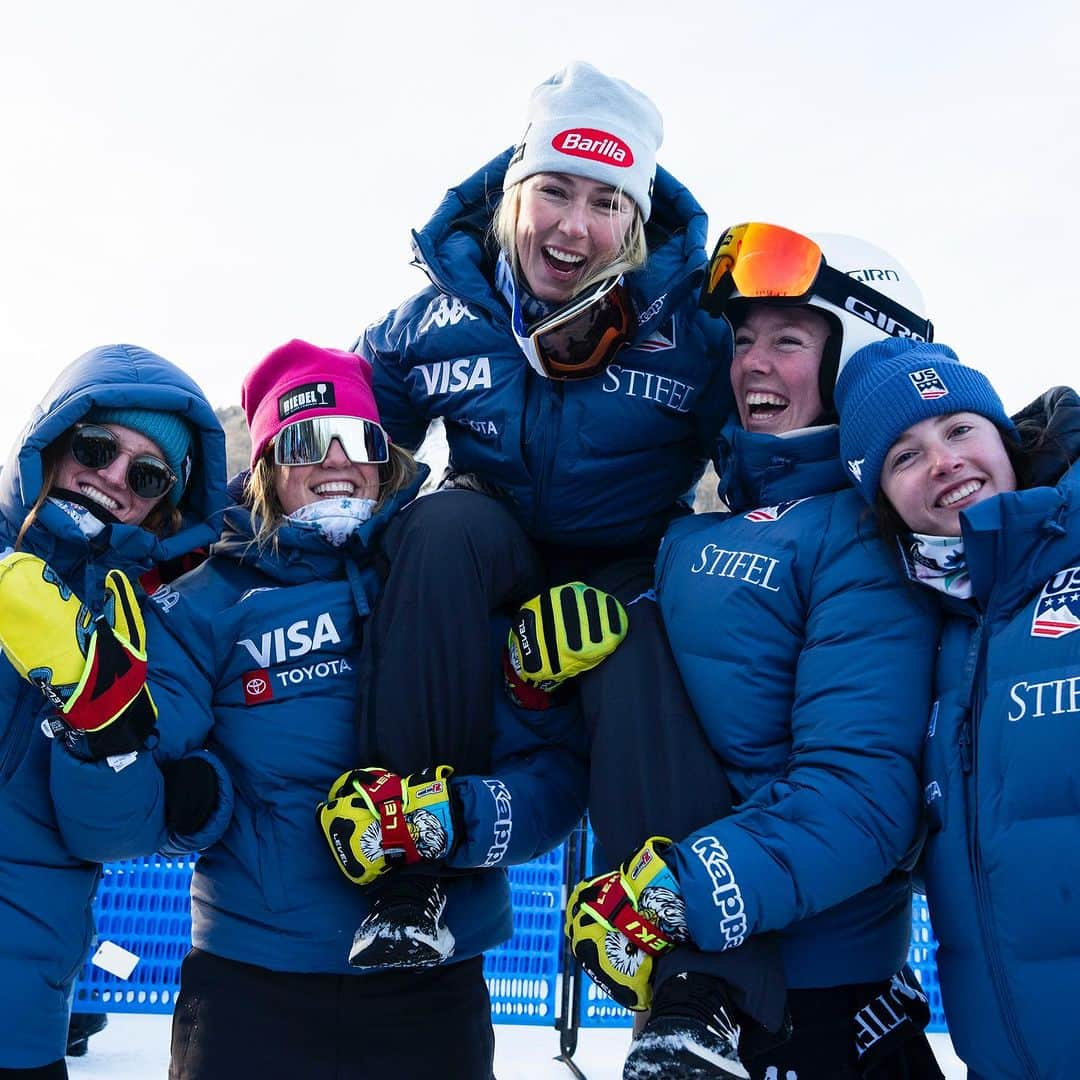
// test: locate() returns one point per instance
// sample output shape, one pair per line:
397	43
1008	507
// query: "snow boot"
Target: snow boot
690	1034
80	1028
405	926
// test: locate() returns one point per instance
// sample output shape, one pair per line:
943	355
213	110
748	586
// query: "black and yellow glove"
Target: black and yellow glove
91	668
559	634
619	922
374	820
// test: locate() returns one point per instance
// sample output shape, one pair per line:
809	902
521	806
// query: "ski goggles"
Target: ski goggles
307	442
97	448
766	262
582	337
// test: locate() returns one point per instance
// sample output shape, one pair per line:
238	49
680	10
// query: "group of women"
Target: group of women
859	671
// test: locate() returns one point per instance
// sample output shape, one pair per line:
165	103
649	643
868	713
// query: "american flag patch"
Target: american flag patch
771	513
658	340
1057	611
928	384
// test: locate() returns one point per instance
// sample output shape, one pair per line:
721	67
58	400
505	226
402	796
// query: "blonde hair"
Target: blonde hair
632	253
267	513
163	520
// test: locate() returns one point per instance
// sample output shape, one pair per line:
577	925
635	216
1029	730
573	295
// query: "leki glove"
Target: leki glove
619	922
374	820
91	668
559	634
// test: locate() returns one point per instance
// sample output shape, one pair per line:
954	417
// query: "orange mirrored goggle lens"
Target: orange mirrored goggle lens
763	260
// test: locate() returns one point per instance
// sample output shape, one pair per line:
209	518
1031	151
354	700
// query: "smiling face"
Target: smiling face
108	487
943	465
335	477
567	227
775	371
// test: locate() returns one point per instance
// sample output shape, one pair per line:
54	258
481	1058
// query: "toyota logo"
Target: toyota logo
256	685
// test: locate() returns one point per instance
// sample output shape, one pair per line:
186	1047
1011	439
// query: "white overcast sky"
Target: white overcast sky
210	178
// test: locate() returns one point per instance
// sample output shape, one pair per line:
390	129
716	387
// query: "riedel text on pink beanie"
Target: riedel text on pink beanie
299	380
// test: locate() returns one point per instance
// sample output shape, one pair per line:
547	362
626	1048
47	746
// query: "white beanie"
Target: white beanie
583	123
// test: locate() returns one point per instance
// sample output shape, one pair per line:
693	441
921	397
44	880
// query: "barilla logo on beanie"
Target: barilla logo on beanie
595	145
570	129
316	395
928	384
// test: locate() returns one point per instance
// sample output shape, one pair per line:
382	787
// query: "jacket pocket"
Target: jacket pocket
271	875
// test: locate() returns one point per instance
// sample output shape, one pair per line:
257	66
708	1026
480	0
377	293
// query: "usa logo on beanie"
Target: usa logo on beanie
928	383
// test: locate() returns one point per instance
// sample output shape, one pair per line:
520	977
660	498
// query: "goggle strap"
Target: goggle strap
840	289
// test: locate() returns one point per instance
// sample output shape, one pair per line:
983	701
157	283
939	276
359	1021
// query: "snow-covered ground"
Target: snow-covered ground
136	1047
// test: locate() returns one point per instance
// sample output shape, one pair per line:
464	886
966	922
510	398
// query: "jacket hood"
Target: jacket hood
763	470
1017	541
116	376
453	249
301	555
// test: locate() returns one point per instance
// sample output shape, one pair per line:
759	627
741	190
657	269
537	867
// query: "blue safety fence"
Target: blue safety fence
143	906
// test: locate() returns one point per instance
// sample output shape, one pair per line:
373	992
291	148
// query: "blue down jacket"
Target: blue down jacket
46	887
602	462
1002	776
809	662
260	657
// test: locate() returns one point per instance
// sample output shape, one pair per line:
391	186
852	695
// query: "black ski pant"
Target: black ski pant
823	1042
56	1071
652	772
451	560
238	1020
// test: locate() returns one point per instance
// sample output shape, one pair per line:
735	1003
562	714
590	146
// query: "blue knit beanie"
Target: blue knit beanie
166	429
894	383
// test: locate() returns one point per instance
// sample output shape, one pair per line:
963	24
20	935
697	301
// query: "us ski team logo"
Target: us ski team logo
928	384
1057	612
771	513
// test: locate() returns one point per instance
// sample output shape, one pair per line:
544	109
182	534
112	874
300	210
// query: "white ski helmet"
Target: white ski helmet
864	293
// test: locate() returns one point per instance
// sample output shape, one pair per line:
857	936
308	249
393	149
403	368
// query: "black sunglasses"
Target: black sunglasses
97	448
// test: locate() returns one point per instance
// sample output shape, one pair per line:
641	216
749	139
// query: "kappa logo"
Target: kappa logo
727	896
595	145
855	468
765	514
316	395
652	310
444	311
257	688
928	384
1057	612
503	825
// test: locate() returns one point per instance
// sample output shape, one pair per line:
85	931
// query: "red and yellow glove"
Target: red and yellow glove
619	922
374	820
91	668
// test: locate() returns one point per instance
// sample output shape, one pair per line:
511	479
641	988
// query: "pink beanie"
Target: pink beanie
299	380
